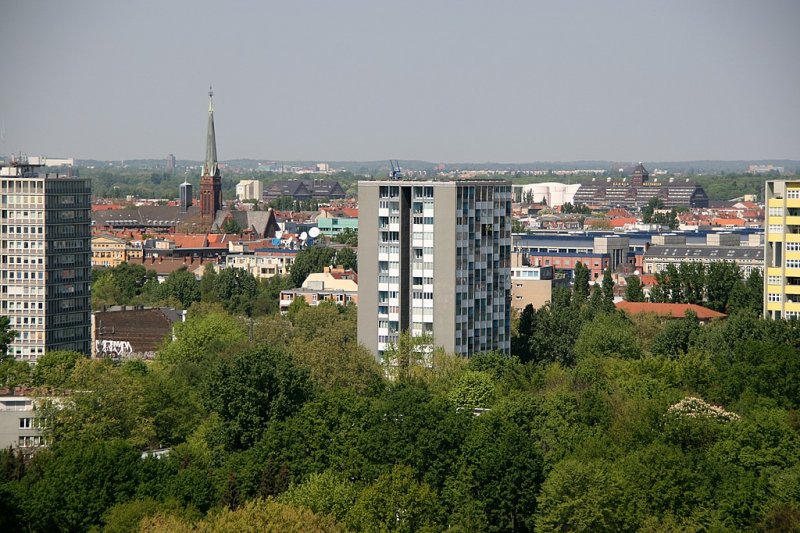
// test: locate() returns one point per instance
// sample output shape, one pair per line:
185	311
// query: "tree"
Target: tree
230	225
202	338
721	279
474	389
651	207
495	483
608	290
581	283
254	388
181	285
581	496
7	336
312	259
677	336
608	335
78	482
54	369
347	236
324	493
521	344
347	258
633	289
265	516
396	502
236	288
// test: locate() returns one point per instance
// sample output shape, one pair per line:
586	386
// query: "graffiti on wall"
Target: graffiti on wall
119	350
115	349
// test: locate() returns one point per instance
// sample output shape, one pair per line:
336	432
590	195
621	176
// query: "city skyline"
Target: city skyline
363	81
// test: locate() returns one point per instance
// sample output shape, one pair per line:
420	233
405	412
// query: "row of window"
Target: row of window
773	297
13	274
793	194
22	306
23	245
22	229
14	214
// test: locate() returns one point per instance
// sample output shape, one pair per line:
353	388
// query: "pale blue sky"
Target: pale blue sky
438	80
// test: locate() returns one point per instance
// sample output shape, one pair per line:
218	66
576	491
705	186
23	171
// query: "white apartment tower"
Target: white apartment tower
45	258
782	249
434	258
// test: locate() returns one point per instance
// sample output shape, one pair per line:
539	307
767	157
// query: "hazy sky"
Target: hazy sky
438	80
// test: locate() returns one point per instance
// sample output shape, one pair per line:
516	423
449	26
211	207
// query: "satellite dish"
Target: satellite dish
303	236
278	234
313	233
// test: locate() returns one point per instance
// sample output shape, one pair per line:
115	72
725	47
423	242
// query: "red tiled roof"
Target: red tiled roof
670	310
728	222
189	241
618	212
648	279
620	222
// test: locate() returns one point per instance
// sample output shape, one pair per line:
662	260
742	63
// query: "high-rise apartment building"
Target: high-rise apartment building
45	258
782	249
434	258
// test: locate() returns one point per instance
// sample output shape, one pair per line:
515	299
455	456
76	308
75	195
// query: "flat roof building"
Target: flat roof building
434	259
45	264
782	249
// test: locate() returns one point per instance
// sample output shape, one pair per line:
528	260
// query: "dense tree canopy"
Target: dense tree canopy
599	422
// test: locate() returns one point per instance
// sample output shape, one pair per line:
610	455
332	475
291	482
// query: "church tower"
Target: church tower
210	180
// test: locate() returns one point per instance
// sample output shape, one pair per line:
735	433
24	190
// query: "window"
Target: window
776	211
774	280
793	194
773	297
776	228
25	423
793	263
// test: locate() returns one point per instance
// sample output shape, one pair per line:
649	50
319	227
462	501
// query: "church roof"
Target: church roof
211	166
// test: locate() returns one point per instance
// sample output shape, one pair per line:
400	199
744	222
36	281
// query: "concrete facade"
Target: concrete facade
19	427
434	259
45	265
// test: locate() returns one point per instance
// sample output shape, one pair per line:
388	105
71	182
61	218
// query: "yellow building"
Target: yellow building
782	249
110	251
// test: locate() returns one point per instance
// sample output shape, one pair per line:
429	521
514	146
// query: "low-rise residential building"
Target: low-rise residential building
264	263
132	332
331	222
19	425
532	285
563	252
333	284
111	251
673	249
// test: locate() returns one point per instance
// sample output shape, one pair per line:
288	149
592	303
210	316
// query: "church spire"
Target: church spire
211	168
211	180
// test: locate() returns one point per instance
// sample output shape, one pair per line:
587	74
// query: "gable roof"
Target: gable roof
668	309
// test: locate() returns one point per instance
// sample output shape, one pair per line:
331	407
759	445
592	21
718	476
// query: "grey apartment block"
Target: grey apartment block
434	259
19	426
45	259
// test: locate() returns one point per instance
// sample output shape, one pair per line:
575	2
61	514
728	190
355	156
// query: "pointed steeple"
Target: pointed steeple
211	167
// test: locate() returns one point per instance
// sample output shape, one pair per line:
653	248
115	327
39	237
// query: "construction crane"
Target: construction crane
395	172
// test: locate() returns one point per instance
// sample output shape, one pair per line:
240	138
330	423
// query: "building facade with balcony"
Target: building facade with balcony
434	260
782	249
